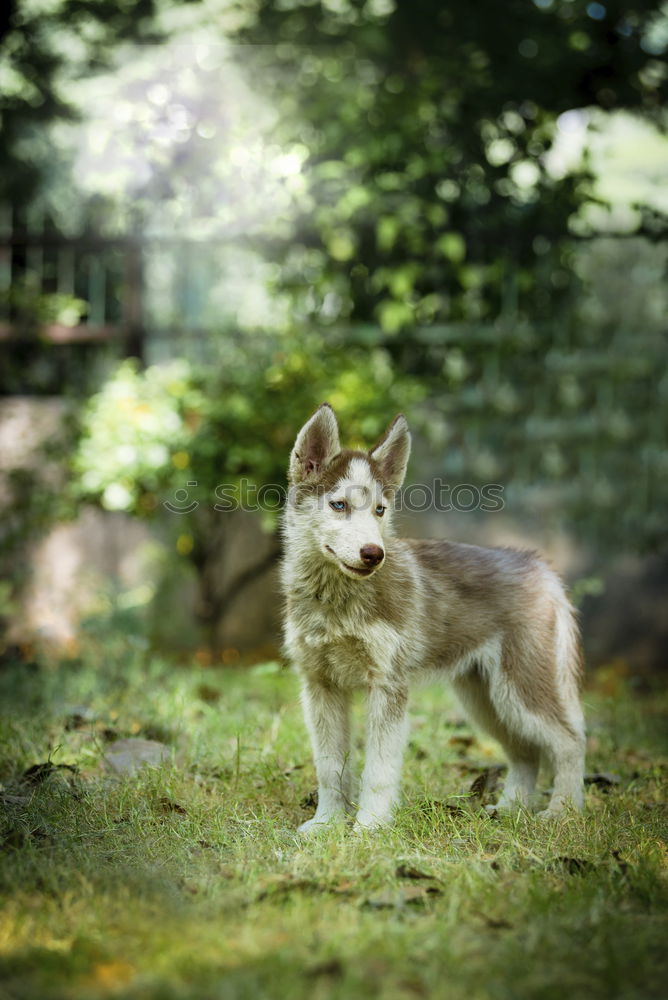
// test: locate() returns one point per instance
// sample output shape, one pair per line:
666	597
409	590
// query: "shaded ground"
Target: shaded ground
186	880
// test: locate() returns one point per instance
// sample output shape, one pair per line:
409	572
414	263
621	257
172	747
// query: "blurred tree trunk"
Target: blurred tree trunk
226	568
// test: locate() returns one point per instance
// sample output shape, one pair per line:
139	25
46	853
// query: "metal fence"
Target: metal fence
64	289
95	295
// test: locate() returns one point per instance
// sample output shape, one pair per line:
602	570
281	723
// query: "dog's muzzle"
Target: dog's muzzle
371	555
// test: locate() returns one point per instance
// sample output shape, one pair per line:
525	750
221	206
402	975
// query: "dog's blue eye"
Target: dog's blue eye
337	504
380	510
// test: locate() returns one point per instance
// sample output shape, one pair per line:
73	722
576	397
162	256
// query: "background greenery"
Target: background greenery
407	181
214	216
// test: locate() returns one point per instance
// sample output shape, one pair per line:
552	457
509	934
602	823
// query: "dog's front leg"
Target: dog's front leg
387	731
327	716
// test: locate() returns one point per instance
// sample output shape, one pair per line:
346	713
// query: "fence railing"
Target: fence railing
69	289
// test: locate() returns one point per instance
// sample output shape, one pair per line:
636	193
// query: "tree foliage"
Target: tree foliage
426	129
425	233
41	44
436	222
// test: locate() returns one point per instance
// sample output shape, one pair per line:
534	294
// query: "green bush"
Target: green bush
145	434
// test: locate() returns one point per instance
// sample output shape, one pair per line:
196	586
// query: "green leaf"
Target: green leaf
394	315
452	246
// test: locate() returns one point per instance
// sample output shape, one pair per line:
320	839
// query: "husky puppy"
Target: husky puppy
368	610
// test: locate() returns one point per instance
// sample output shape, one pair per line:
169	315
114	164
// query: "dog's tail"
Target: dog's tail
569	659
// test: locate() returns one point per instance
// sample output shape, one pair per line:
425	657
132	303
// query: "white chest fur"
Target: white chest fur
345	648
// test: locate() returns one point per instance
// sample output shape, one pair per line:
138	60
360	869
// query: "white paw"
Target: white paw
317	824
562	804
507	806
561	810
366	820
555	810
547	814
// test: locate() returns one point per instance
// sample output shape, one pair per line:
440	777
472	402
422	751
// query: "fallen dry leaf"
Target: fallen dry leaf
407	871
487	782
494	923
602	779
278	885
309	801
345	887
168	806
37	773
78	716
461	742
575	866
208	693
112	975
437	805
330	967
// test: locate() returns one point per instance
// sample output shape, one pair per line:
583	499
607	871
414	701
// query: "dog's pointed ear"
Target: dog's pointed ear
317	443
392	453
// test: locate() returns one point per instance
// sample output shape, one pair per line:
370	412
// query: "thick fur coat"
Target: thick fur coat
367	610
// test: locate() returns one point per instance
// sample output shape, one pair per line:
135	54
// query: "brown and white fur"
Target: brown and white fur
368	610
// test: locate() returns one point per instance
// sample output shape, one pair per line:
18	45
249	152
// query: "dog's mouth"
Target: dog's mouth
357	570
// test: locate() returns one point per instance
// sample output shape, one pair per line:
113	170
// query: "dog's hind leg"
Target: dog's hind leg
564	744
523	754
520	783
327	716
530	704
565	753
537	689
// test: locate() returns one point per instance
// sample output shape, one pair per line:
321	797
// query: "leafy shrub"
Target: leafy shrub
147	433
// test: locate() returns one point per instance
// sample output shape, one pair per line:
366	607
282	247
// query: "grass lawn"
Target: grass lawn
186	880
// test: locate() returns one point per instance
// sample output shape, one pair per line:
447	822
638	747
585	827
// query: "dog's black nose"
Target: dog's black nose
371	555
